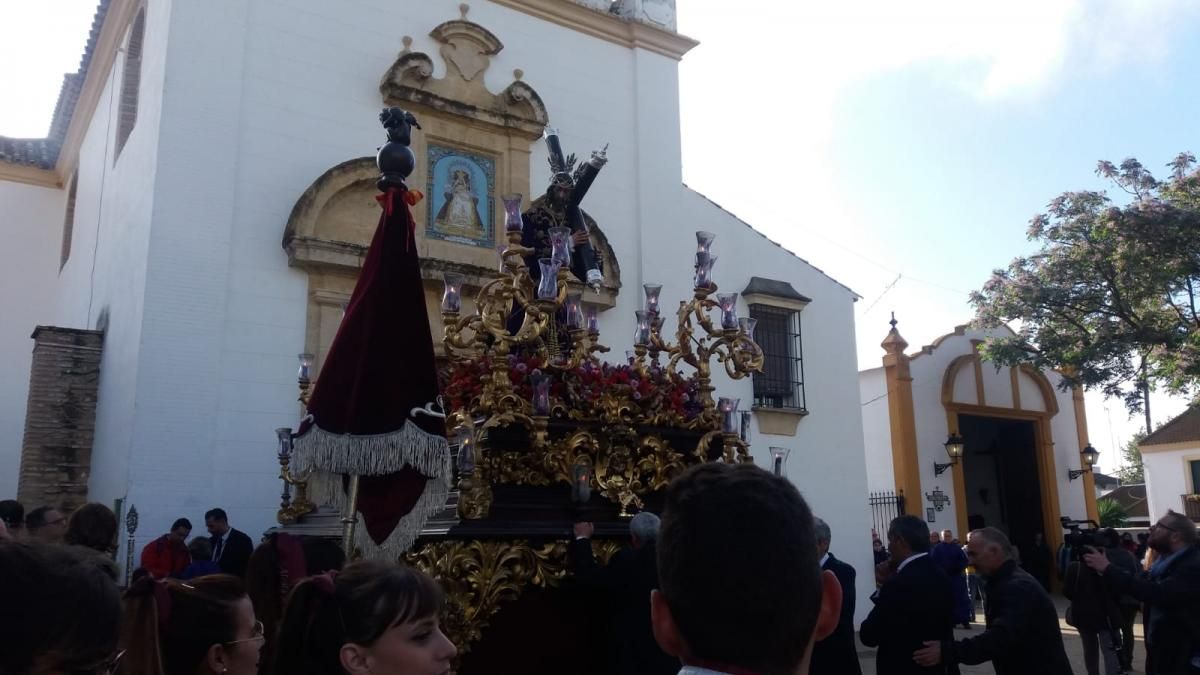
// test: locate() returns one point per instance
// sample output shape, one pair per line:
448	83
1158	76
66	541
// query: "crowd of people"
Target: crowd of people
737	577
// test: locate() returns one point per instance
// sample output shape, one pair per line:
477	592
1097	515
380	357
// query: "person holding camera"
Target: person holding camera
1095	614
1170	593
1117	551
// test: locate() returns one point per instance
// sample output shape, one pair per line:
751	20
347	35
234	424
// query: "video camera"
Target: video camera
1078	536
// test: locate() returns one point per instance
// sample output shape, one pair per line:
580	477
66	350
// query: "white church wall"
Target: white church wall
827	461
28	273
103	282
877	430
1071	493
1168	475
997	386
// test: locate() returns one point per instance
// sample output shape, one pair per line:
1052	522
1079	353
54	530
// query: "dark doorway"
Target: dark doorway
1000	471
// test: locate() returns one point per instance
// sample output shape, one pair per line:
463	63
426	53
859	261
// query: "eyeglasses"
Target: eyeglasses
107	668
258	634
1168	528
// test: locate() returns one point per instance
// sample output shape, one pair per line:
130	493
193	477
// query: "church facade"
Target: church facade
197	217
1022	464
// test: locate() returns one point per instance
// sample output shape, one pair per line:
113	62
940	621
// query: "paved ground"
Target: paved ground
1070	639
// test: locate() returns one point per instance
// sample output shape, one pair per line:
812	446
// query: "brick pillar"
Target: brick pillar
60	419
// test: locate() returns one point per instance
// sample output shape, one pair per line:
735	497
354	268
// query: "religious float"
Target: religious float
478	478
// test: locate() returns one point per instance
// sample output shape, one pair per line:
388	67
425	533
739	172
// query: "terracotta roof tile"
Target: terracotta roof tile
1184	428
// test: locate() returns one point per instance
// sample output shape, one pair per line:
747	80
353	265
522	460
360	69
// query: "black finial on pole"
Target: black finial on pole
395	159
893	322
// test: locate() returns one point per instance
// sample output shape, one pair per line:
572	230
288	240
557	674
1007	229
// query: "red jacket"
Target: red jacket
164	558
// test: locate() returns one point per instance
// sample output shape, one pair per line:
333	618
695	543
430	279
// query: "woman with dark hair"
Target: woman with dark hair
93	526
197	627
278	564
373	617
60	612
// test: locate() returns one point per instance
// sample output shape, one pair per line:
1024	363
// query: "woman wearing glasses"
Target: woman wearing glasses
199	627
59	612
373	617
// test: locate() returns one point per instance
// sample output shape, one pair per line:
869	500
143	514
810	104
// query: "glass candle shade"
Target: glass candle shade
548	284
747	326
704	265
541	393
728	304
452	292
560	245
656	323
500	249
730	421
466	450
512	212
630	356
283	436
652	292
641	335
593	320
306	362
704	242
779	459
581	482
574	310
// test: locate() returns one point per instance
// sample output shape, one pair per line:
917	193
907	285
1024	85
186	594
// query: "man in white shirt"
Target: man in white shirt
740	591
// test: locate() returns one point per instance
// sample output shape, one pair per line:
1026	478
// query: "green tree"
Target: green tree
1132	471
1110	297
1111	513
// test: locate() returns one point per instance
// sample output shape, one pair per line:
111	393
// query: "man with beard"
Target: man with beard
1170	593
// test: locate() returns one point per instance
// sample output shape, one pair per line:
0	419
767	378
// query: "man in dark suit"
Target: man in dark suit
231	548
836	654
625	585
1022	635
915	604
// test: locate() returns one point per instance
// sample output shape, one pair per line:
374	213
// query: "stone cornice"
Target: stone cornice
632	34
31	175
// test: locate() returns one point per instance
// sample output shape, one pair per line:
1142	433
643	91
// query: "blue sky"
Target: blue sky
875	139
915	140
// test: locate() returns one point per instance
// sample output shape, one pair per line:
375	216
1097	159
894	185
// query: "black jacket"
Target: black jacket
838	653
1022	636
624	586
914	606
236	554
1171	611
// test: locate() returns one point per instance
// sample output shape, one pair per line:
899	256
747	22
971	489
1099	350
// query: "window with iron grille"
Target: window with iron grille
781	384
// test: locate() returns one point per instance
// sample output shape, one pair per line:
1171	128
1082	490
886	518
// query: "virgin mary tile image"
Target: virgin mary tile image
461	201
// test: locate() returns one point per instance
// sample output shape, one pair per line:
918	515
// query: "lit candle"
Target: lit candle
593	320
541	393
704	267
284	436
466	450
452	292
560	245
548	284
641	335
728	303
704	242
652	292
306	361
729	417
778	459
574	313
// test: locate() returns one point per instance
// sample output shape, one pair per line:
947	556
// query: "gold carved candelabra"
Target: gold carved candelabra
527	356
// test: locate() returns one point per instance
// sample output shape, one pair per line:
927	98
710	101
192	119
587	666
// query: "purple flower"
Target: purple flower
637	395
634	382
521	368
